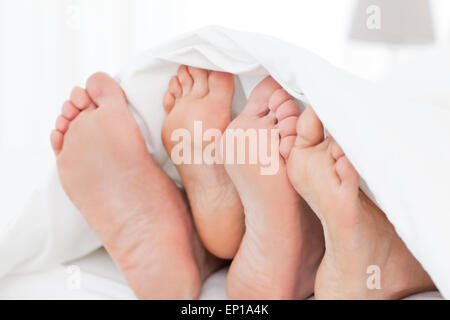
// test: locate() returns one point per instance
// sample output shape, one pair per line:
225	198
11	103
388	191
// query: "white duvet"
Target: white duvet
396	133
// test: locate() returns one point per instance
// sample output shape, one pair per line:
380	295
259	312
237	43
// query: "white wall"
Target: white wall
48	46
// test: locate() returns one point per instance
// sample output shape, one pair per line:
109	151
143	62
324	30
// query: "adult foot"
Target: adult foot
362	246
202	97
136	210
283	242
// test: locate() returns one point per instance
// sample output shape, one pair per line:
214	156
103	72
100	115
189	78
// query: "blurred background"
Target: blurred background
49	46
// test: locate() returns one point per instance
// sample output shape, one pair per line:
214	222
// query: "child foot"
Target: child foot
361	244
198	95
135	209
283	243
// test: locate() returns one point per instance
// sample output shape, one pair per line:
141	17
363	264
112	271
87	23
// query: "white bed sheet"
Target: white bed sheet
101	279
398	139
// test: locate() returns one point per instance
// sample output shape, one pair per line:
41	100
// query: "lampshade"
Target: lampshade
393	21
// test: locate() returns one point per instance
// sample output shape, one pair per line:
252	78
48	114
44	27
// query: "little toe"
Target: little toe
185	79
200	76
168	102
175	88
309	129
258	102
56	139
62	124
104	90
173	93
80	98
69	111
221	85
347	174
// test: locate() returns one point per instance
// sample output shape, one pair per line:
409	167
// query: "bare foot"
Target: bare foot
359	239
135	209
198	95
283	242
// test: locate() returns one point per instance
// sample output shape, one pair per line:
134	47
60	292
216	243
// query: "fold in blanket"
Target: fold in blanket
396	136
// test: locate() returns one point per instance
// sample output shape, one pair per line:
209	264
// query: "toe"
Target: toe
62	124
347	174
104	90
80	98
278	98
69	111
200	76
287	109
185	79
221	85
309	129
168	102
286	145
334	149
175	88
258	102
56	139
288	135
173	93
288	127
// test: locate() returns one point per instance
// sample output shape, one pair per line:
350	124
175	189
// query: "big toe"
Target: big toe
221	85
309	134
258	102
104	90
309	129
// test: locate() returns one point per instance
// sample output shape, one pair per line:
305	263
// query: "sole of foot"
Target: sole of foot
131	204
362	247
204	97
283	241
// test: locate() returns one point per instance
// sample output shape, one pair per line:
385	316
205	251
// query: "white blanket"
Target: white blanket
96	277
397	135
